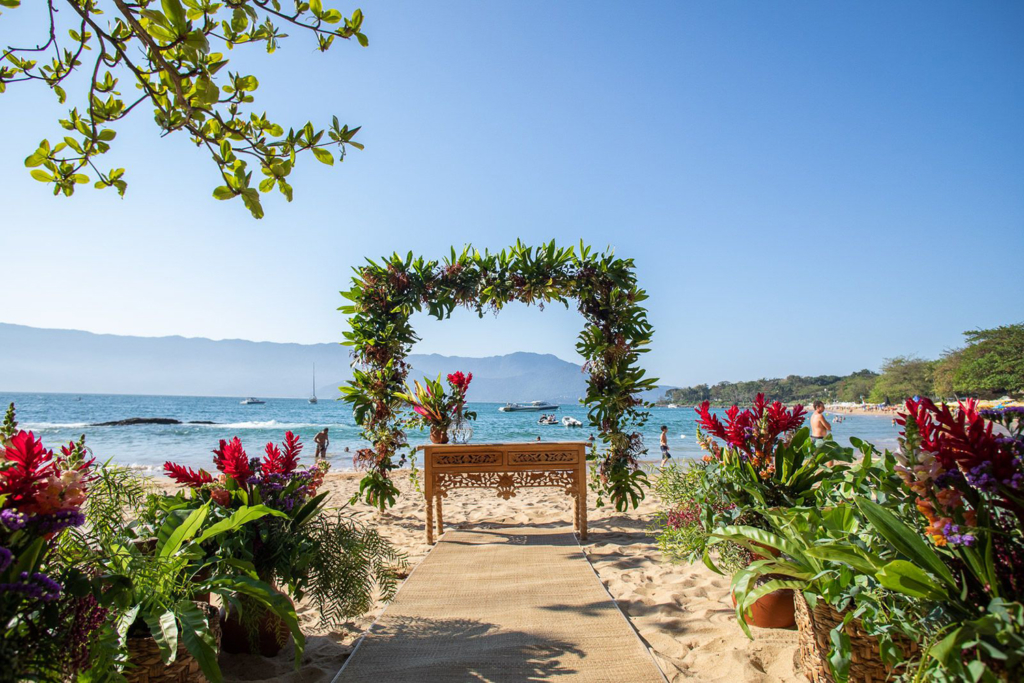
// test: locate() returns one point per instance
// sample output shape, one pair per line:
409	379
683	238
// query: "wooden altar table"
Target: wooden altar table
505	467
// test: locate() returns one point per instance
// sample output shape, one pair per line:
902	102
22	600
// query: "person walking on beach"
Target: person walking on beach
665	455
321	444
820	427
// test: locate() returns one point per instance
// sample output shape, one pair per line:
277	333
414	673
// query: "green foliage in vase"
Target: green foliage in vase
168	57
385	295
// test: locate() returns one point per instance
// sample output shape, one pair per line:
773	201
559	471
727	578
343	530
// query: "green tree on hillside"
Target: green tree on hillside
901	378
166	56
991	365
856	386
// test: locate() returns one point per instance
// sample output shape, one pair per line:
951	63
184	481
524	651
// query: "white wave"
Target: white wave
270	424
30	426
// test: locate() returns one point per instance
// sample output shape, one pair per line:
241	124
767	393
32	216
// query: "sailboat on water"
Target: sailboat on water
312	399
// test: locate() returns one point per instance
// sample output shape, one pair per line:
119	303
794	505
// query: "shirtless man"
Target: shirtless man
820	428
321	444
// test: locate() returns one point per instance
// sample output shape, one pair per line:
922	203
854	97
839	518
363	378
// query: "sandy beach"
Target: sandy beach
682	612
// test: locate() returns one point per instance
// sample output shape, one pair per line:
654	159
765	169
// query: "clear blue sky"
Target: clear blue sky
806	187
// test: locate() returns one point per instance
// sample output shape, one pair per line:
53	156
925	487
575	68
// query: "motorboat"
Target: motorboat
547	420
569	421
672	405
531	407
251	402
312	399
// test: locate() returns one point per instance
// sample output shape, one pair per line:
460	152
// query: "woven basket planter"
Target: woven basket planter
814	627
148	667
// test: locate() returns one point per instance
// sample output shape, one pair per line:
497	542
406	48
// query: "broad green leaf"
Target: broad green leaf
905	577
323	156
164	629
904	539
195	633
42	176
171	543
242	515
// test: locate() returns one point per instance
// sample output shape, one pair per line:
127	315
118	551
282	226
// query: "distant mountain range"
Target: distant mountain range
71	361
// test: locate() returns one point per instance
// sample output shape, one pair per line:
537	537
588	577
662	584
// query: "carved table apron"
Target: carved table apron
505	467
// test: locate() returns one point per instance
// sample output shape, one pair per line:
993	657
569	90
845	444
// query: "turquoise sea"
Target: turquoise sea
59	418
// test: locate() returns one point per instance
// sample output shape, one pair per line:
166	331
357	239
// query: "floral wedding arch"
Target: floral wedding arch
385	295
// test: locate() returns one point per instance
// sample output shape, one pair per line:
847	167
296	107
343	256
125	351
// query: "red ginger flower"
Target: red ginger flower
230	458
292	449
965	439
186	476
460	381
754	430
29	467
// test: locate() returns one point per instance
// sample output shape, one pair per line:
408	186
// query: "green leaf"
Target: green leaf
323	156
316	7
175	13
164	629
35	159
170	543
905	577
42	176
195	633
223	192
904	539
242	515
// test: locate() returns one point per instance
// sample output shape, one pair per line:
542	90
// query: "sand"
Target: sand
682	612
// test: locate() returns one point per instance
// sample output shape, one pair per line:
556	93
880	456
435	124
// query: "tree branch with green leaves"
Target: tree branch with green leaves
165	52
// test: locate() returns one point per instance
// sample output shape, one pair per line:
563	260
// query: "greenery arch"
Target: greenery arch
384	296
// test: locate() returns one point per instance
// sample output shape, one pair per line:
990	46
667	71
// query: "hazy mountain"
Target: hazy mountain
44	360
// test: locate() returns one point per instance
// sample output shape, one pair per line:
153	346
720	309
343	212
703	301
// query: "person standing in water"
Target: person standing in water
665	455
322	442
820	428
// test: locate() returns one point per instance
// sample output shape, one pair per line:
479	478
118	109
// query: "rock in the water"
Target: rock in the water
201	422
138	421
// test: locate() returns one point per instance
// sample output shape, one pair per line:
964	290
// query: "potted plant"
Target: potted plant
437	409
766	460
300	549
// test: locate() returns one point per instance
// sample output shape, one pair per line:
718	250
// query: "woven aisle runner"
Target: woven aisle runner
502	605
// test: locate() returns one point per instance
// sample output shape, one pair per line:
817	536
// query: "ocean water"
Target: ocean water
59	418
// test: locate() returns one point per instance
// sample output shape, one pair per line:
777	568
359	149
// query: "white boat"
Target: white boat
531	407
672	405
547	420
312	399
252	402
571	422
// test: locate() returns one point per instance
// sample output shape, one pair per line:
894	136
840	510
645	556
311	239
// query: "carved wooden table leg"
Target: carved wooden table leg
440	516
583	509
430	519
576	512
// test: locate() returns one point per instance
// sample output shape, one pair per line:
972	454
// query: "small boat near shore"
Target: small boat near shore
251	402
570	421
531	407
547	420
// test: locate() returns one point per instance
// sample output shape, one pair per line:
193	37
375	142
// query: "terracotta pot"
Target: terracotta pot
767	551
270	637
775	610
438	435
